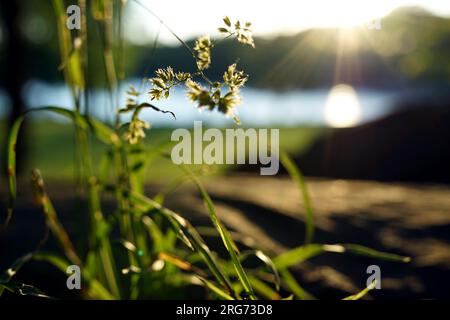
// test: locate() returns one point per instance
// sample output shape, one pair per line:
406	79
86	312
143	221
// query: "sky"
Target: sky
193	18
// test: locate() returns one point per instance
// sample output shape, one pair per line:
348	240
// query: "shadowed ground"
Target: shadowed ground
407	219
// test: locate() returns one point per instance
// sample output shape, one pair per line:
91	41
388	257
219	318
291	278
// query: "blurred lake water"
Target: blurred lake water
260	107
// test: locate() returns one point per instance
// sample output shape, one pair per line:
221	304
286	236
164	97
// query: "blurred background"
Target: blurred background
380	69
359	89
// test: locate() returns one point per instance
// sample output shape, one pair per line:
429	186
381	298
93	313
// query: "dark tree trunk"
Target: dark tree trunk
14	74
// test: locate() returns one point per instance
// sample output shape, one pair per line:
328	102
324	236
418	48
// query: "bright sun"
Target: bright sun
342	108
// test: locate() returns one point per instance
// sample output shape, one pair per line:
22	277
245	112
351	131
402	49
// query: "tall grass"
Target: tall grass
158	248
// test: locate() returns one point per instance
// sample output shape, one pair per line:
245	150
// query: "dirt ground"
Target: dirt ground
407	219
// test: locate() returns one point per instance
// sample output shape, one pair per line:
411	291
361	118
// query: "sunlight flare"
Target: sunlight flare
342	108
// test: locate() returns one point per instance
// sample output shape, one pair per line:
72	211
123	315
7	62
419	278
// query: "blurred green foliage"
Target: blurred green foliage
52	150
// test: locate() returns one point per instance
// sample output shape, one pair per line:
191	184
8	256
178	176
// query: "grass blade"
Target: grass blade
300	254
155	234
362	293
357	249
103	132
264	290
268	262
293	285
211	286
11	162
297	176
297	255
226	238
51	218
70	57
